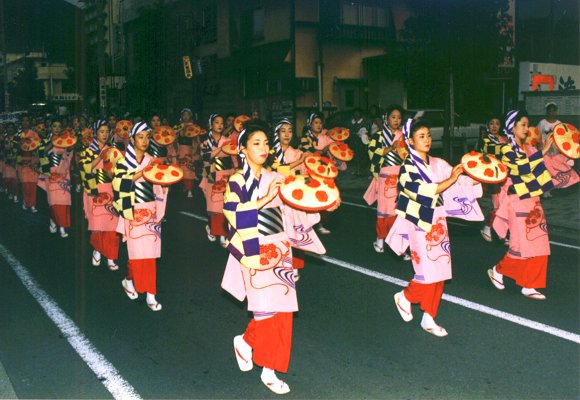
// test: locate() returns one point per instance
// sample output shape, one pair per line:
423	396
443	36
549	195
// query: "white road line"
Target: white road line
573	337
452	222
459	301
192	215
103	369
565	245
348	203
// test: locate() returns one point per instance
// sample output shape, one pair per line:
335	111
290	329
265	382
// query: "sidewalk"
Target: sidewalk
562	209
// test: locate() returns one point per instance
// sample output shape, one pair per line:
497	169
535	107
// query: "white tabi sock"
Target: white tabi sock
427	321
380	242
497	275
150	298
269	375
130	286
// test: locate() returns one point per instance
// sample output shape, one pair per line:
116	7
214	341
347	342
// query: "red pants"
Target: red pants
428	295
143	273
12	186
187	184
29	193
60	214
271	341
217	224
297	259
383	226
106	243
528	273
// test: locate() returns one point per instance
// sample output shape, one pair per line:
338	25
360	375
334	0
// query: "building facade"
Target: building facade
283	58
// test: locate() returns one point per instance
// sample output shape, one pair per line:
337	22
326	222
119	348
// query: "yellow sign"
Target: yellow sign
187	67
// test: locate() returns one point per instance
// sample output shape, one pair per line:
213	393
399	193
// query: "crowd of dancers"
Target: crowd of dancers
265	236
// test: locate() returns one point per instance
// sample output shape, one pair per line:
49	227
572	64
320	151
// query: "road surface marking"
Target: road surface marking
6	388
459	301
103	369
573	337
451	222
192	215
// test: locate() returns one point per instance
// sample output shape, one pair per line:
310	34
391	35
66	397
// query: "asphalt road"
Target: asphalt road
349	340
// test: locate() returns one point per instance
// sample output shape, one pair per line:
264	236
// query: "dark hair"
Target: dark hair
494	116
230	114
551	106
418	124
254	126
394	107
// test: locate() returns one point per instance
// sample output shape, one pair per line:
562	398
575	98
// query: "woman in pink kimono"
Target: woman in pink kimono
430	190
385	165
59	185
165	153
288	161
260	263
492	144
98	198
217	168
186	152
28	174
141	207
316	140
520	211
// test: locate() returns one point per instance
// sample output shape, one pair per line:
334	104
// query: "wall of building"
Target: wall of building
307	10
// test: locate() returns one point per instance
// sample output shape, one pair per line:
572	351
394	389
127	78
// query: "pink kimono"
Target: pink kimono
59	181
383	189
143	234
28	170
526	222
99	209
272	288
28	176
562	170
185	157
431	251
214	192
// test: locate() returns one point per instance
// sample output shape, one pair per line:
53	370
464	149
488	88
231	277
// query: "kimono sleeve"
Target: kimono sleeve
124	190
375	152
242	216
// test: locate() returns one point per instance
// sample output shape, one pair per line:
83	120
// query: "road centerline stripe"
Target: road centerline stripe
570	246
103	369
528	323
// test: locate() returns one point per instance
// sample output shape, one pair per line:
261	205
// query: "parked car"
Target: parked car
436	119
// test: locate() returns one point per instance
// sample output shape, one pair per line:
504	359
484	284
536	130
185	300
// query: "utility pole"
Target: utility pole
4	65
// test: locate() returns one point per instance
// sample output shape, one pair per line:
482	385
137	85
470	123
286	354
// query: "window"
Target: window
258	21
363	13
252	26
